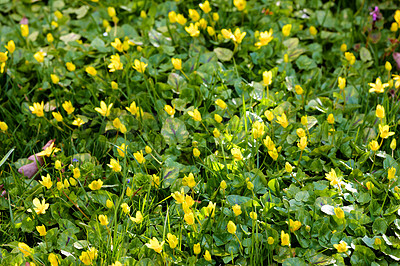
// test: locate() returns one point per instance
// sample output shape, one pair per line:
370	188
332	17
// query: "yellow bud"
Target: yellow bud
286	58
343	48
394	27
313	30
111	11
393	144
50	37
148	150
388	66
196	152
299	90
223	185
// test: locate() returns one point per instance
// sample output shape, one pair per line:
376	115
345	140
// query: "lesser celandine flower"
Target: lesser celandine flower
139	66
109	204
380	111
67	105
217	118
216	133
118	125
207	256
189	180
117	44
341	83
169	109
313	30
288	167
258	129
374	145
39	56
393	144
50	37
350	58
78	122
294	225
343	47
269	115
42	230
302	144
384	131
304	120
76	172
114	165
172	240
195	114
270	240
3	126
125	208
189	218
253	215
155	245
369	185
172	16
3	57
300	132
223	185
24	30
221	103
194	15
282	120
46	181
96	184
236	209
237	154
286	30
284	239
25	249
181	19
331	119
394	27
196	152
339	213
179	196
40	207
298	89
138	218
240	4
53	259
37	109
397	16
104	110
10	46
103	219
331	176
139	157
267	78
57	116
196	249
341	247
238	36
231	228
378	87
91	71
388	66
177	63
391	173
193	30
115	63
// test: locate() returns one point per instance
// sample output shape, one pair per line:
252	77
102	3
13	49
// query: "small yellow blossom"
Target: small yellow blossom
285	239
331	176
53	259
138	218
265	38
104	110
217	118
303	143
179	196
169	109
258	129
91	71
205	7
196	249
96	185
221	104
25	249
313	30
237	154
373	145
189	218
341	247
380	111
115	63
118	125
67	105
300	132
207	256
341	83
223	185
193	30
231	228
196	152
270	240
109	204
236	209
181	19
54	78
42	230
240	4
194	15
331	119
286	30
267	78
369	185
10	46
24	30
3	126
40	207
57	116
298	89
139	66
210	31
172	240
195	114
343	47
177	63
388	66
384	131
117	44
253	215
294	225
378	87
288	167
103	219
114	165
394	27
78	122
350	58
37	109
339	213
269	115
70	66
50	37
391	173
282	120
139	157
46	181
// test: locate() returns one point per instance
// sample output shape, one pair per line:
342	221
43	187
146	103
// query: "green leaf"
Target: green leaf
305	63
379	226
174	131
365	54
294	262
6	156
223	54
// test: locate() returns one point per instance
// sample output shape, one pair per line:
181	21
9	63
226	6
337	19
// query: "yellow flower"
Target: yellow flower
118	125
91	71
300	132
331	119
40	208
341	83
115	63
78	122
3	57
169	109
384	131
313	30
193	30
114	85
194	15
117	44
304	120
350	58
129	192
282	120
380	111
223	185
172	240
237	210
253	215
103	219
210	31
24	30
189	218
10	46
394	27
177	63
67	105
109	204
397	16
85	258
139	157
3	126
70	66
189	181
378	87
221	103
121	150
48	151
37	109
269	115
238	36
231	228
139	66
50	37
42	230
227	34
294	225
369	185
58	14
57	116
217	118
303	143
339	213
258	129
269	143
270	240
46	181
288	167
172	16
25	249
216	133
114	165
138	219
125	208
39	56
265	38
77	173
196	249
73	181
377	241
155	245
181	19
179	196
388	66
96	185
215	15
104	110
207	256
155	180
196	152
391	173
53	259
284	239
205	7
331	176
111	11
195	114
343	47
392	143
373	145
286	30
298	89
54	78
341	247
237	154
240	4
286	58
132	108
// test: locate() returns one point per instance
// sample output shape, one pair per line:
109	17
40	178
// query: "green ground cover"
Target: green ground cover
215	132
